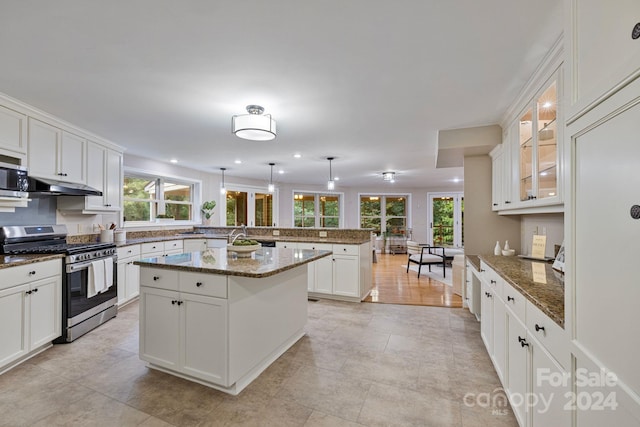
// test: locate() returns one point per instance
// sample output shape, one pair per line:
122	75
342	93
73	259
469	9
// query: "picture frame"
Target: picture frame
558	263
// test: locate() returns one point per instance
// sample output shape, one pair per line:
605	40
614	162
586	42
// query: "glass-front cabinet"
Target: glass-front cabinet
537	176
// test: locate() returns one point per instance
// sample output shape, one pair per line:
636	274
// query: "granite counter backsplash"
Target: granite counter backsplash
548	297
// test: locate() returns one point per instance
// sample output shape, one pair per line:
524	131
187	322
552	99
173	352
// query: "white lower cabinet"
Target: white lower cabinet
346	272
128	274
530	354
194	245
30	310
184	332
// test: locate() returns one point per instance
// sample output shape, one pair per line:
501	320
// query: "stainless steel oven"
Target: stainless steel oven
80	312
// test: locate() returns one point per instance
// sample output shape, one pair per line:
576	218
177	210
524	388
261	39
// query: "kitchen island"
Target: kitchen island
220	320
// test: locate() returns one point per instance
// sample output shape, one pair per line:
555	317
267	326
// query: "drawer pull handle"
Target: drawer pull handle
198	284
156	277
524	343
32	273
539	328
493	282
510	298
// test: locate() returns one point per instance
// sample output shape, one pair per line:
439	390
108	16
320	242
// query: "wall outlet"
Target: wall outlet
276	232
323	234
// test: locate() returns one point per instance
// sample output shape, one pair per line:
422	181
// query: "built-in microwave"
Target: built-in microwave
14	181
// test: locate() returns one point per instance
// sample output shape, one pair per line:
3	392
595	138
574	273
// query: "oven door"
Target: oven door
77	306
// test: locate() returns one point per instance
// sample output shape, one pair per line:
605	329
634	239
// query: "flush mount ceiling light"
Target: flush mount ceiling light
223	190
255	126
331	184
271	188
389	176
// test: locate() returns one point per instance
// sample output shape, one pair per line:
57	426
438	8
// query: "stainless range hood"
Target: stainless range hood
49	187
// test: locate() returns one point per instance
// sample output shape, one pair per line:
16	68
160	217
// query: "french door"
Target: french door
253	207
446	217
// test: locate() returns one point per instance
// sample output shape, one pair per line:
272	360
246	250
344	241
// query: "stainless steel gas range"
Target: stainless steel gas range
82	309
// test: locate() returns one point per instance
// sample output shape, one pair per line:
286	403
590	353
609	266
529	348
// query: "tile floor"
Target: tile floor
359	364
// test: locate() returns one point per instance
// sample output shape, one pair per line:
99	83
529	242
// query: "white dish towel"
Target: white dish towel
108	274
96	278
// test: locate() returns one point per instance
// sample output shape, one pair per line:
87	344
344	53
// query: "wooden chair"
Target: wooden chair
425	255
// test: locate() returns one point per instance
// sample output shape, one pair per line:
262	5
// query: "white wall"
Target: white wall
552	225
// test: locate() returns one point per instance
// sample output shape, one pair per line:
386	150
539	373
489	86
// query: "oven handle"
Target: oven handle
72	268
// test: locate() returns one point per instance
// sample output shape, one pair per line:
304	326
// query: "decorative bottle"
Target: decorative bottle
506	245
497	250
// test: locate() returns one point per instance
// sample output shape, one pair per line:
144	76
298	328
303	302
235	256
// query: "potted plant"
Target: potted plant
207	210
160	218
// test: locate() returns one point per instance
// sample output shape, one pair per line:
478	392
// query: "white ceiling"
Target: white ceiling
369	82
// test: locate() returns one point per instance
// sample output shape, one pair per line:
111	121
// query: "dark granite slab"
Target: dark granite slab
264	262
548	297
7	261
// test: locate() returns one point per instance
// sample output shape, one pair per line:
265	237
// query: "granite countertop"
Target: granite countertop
264	262
475	261
328	240
548	297
7	261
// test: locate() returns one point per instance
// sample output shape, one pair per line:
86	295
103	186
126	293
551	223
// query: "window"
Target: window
316	210
146	196
251	206
384	213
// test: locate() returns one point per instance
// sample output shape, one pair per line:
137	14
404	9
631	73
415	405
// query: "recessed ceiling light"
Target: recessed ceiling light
336	178
280	171
237	162
297	155
174	160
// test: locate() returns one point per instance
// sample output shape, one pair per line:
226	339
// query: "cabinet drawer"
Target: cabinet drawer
150	248
203	284
128	251
316	246
159	278
216	243
493	280
173	245
346	249
549	334
28	273
514	300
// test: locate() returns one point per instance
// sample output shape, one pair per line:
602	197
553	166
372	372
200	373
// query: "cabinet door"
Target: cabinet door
324	275
96	174
499	336
122	281
346	271
311	276
132	280
45	304
72	158
44	140
13	326
13	126
517	364
606	200
486	316
160	327
113	186
550	383
497	168
204	334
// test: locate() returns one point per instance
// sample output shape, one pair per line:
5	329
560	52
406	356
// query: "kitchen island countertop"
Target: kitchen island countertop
264	262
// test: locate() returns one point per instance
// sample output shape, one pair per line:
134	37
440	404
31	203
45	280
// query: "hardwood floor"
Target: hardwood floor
393	285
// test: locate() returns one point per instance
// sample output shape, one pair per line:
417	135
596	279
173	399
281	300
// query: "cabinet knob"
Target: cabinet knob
32	273
495	204
510	298
539	328
520	339
173	302
198	284
493	282
180	302
35	290
28	292
507	202
156	277
524	343
482	271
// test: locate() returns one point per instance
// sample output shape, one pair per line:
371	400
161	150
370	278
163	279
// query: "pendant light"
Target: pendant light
331	184
223	190
271	187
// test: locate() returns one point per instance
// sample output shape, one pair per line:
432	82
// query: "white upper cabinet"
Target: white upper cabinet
604	54
13	131
55	154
